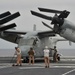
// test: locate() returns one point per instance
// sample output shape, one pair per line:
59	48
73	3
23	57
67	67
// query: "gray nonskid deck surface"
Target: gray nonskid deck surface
37	69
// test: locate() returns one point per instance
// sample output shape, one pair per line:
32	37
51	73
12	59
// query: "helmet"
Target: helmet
46	46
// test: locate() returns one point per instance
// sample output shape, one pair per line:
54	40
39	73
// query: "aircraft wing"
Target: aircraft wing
46	34
41	34
14	32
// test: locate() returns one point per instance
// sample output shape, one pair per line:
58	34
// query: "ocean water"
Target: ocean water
63	52
67	52
7	52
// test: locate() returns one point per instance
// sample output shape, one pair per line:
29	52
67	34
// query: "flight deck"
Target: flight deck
58	68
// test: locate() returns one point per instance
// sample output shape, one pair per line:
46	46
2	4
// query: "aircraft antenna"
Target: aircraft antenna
34	28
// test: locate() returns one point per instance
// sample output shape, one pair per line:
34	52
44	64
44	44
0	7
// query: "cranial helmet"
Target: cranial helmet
46	46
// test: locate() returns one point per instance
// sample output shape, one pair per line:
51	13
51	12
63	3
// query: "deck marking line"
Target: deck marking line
29	67
68	72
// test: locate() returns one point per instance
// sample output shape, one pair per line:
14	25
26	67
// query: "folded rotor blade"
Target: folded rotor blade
41	15
49	10
7	27
9	18
47	25
64	14
5	14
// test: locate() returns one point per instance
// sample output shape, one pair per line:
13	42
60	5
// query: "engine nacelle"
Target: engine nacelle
68	34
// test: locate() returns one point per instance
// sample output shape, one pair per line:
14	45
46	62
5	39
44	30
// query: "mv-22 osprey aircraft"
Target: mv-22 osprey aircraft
62	26
36	39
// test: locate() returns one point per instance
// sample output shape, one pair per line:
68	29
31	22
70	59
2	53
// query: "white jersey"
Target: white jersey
46	52
18	52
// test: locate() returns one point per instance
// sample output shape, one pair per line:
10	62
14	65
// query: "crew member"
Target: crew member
18	53
55	54
31	56
46	57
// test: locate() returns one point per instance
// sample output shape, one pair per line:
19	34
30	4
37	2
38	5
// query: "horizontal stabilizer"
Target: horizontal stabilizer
49	10
7	27
15	32
46	34
41	15
5	14
9	18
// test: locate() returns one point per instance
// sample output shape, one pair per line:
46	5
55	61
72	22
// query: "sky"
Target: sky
26	21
